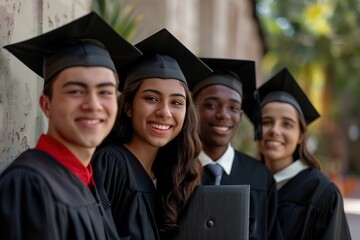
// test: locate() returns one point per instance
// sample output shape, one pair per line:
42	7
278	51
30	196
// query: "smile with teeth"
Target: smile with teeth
221	128
160	126
90	121
273	143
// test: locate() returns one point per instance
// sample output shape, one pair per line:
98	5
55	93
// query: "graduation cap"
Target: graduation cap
164	57
216	212
283	88
236	74
87	41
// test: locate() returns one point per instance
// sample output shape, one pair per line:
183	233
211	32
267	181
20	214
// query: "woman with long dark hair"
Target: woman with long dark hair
148	164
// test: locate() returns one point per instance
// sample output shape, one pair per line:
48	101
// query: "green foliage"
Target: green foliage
303	32
325	32
124	19
322	35
244	138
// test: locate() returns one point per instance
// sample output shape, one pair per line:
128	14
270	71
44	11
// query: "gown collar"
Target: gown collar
64	156
284	175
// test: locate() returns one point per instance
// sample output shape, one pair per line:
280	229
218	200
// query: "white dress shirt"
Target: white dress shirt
225	161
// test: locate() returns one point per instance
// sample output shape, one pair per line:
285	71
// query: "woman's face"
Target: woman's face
157	112
281	134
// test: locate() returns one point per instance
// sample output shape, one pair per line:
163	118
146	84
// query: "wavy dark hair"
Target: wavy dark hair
302	152
176	166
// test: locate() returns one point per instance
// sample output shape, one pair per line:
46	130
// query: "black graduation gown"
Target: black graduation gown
130	190
311	207
263	197
42	199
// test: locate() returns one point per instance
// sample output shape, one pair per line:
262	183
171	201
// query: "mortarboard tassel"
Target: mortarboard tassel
257	117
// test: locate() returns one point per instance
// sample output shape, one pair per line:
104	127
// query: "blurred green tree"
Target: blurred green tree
123	18
319	42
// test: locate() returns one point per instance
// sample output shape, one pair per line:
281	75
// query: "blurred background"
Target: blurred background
317	40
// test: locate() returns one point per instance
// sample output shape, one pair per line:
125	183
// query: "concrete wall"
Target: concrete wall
210	28
21	119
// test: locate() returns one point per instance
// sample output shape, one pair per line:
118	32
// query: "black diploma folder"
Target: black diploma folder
216	212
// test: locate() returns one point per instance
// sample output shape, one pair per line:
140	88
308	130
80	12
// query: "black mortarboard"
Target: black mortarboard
164	57
216	212
87	41
236	74
283	88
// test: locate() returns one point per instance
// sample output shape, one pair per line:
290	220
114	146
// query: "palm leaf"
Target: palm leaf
123	18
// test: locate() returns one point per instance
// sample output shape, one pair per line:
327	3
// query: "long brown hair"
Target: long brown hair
176	166
302	152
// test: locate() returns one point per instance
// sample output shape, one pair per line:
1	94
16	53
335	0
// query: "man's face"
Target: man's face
220	115
83	106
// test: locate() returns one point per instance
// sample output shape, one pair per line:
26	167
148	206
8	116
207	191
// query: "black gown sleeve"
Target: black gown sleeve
27	208
130	191
330	221
110	171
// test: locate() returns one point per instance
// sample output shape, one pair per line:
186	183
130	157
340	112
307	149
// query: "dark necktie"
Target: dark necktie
216	170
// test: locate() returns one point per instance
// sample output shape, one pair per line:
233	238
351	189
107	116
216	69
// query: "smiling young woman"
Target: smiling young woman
149	165
310	206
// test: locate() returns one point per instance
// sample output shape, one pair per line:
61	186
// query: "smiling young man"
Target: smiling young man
221	98
49	192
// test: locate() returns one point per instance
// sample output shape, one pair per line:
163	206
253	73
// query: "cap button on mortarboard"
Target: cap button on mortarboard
210	223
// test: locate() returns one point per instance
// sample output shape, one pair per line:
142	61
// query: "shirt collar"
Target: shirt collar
225	161
65	157
284	175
